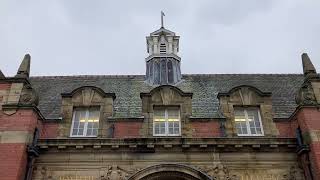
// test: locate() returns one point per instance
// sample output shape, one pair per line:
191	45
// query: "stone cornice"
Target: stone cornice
15	80
163	56
223	144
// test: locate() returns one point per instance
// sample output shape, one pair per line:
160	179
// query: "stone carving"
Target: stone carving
306	96
28	96
45	173
166	95
87	96
219	172
114	172
294	174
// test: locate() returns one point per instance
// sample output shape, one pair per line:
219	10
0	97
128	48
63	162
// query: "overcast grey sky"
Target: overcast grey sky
108	37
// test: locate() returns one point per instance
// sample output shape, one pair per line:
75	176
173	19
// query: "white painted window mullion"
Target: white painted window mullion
247	122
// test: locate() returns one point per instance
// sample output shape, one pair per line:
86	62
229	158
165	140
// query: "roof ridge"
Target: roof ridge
140	75
90	76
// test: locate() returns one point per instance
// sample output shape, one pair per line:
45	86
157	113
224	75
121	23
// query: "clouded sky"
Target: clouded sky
108	37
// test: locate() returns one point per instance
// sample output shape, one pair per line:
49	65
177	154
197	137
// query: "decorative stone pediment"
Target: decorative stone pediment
88	95
245	95
166	95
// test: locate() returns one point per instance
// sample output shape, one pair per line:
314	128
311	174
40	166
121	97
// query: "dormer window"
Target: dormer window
163	48
85	122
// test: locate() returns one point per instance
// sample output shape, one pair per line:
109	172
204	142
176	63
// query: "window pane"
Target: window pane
162	127
89	132
156	128
159	115
254	121
80	132
156	72
240	121
173	115
74	131
78	122
95	132
163	71
170	72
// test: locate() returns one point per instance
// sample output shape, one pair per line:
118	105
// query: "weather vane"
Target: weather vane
162	14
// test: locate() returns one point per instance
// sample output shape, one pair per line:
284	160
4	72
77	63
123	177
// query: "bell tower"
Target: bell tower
163	62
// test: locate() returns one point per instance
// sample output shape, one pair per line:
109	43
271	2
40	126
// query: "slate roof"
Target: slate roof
205	88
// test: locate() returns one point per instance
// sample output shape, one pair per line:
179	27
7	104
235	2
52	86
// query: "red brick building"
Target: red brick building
162	125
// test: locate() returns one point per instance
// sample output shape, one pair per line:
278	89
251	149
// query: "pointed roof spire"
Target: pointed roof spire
24	69
2	75
308	68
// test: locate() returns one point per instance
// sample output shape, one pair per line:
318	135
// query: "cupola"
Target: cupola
163	62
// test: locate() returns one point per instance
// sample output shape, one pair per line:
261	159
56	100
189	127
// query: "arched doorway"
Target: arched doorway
169	172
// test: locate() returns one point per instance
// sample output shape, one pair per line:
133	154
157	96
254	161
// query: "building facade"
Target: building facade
163	125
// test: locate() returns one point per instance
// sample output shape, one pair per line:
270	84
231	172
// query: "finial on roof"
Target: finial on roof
24	69
162	14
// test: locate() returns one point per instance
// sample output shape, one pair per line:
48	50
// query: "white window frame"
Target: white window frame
247	122
85	124
166	124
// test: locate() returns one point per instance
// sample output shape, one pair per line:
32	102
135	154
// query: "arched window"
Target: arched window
170	72
163	71
156	72
163	48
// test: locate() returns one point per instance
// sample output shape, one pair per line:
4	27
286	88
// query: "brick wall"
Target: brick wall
206	129
309	121
16	132
13	161
22	120
49	130
287	129
127	129
5	86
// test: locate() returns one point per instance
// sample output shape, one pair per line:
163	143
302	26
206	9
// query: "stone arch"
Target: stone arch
251	88
168	172
94	88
